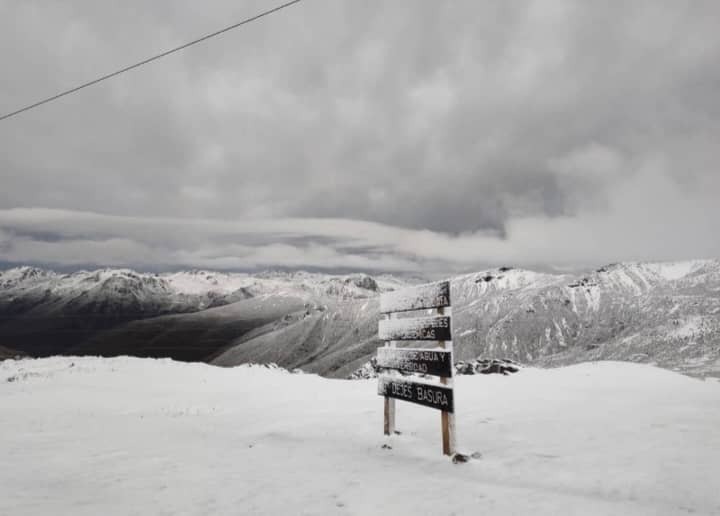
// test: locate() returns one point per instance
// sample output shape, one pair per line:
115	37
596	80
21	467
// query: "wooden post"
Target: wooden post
389	419
447	419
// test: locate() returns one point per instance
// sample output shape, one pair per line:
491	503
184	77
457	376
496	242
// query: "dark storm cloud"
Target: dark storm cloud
513	126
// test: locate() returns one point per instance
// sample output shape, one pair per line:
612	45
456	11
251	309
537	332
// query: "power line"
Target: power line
149	59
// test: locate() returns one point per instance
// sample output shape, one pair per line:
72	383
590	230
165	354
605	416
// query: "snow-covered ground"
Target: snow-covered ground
89	436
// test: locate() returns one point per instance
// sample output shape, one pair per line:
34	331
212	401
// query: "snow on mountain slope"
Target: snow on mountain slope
626	311
23	275
200	282
45	313
190	288
661	313
676	270
89	436
332	339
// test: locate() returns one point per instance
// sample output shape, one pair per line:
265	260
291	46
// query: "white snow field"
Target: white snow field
91	436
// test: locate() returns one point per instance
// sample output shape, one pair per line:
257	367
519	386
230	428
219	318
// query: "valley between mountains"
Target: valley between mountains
666	314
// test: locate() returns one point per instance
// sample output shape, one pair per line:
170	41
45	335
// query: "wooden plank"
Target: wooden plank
428	395
432	295
416	328
416	360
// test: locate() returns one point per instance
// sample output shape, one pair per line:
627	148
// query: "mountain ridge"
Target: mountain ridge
666	313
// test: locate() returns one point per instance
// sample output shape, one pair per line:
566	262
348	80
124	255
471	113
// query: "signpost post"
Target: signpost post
434	362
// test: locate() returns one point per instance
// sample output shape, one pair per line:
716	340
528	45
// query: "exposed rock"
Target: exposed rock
368	370
364	281
460	458
487	366
477	366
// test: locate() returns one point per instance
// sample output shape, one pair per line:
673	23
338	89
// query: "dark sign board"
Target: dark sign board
437	362
429	395
416	328
433	295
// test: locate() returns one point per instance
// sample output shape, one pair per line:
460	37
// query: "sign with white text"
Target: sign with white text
434	297
436	362
416	328
434	396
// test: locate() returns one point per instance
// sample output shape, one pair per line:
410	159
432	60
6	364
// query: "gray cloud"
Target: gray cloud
503	131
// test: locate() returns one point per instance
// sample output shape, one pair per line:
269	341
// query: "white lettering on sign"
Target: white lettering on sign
431	396
403	390
420	328
436	396
416	360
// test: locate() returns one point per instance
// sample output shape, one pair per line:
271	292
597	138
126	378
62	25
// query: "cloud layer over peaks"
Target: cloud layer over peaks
408	135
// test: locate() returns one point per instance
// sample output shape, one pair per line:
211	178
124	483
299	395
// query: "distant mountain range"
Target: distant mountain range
662	313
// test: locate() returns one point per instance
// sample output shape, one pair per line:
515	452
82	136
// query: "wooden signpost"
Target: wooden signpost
434	362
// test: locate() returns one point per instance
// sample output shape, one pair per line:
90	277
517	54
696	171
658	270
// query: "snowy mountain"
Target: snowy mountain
43	313
662	313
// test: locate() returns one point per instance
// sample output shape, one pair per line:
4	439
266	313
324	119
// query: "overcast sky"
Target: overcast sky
416	136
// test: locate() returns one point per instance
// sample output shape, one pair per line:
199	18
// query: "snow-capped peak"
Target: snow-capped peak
25	274
671	271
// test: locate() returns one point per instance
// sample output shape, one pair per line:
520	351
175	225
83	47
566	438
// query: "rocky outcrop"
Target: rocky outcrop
477	366
503	366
